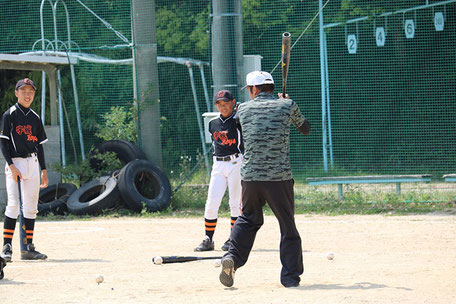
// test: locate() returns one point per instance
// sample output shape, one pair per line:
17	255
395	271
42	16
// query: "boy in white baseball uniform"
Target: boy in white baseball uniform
227	155
21	136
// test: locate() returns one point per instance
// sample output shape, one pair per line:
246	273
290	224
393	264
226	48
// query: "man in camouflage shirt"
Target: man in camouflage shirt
266	177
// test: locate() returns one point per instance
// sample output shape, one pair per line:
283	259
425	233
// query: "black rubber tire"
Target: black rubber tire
95	196
141	182
53	198
126	152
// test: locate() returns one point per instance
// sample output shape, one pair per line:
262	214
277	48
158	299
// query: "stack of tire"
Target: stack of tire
140	184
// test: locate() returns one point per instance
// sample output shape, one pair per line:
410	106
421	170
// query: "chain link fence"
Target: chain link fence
389	80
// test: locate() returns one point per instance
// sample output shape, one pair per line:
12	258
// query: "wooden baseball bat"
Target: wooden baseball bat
183	259
286	47
22	233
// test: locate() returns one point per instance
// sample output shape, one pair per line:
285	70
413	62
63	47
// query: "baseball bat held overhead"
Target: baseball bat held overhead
286	48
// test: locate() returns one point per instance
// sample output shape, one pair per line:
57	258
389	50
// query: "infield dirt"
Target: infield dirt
378	259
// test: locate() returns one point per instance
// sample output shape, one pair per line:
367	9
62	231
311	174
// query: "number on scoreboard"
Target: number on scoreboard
352	44
409	28
380	36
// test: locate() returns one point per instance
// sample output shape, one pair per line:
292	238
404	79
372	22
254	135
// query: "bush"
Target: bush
119	123
82	173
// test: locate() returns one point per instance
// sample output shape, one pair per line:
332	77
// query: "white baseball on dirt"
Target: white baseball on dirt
158	260
99	279
330	256
218	263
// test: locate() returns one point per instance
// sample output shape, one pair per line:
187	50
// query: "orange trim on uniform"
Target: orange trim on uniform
8	230
29	236
29	231
210	229
8	236
233	221
211	224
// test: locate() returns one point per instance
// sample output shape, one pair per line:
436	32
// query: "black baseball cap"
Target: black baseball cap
24	82
224	95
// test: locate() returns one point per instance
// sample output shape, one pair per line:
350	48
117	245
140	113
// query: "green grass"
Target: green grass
358	200
189	201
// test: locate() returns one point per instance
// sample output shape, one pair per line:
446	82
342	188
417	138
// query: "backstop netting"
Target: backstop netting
389	81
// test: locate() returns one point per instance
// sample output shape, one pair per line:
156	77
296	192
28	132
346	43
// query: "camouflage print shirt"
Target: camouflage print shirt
265	123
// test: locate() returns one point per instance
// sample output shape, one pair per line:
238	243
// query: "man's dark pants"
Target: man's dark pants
280	197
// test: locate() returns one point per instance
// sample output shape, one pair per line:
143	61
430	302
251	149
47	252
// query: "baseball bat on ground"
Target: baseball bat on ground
181	259
286	48
22	233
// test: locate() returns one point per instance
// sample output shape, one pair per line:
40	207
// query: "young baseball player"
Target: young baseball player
227	155
22	135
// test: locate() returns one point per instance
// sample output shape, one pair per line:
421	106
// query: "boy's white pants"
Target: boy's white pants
224	173
30	187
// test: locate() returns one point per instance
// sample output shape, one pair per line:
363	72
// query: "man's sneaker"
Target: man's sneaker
206	245
32	254
7	252
291	285
227	275
226	246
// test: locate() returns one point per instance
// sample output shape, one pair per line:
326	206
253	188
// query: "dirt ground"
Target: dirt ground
393	259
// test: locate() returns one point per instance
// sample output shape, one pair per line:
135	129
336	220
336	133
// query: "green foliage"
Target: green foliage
259	14
119	123
77	174
173	35
82	173
392	107
191	197
107	162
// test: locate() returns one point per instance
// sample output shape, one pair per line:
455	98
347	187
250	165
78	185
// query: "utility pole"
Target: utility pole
145	78
227	51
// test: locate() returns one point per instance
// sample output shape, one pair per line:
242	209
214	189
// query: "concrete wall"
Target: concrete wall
52	155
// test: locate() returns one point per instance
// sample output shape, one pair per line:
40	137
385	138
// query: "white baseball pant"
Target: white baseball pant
223	174
30	187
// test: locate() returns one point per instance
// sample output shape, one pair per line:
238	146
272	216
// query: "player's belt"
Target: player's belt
227	158
28	155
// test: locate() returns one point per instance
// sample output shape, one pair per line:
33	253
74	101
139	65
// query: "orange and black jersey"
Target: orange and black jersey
226	136
22	133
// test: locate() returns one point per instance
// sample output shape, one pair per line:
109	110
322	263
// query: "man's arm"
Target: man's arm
305	127
299	121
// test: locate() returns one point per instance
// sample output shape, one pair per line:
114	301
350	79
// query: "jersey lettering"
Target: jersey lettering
222	136
27	130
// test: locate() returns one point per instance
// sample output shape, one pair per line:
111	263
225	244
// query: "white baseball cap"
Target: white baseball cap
258	78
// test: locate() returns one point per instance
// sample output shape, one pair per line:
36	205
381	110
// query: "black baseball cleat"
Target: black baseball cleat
2	265
7	253
206	245
227	275
32	254
226	246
